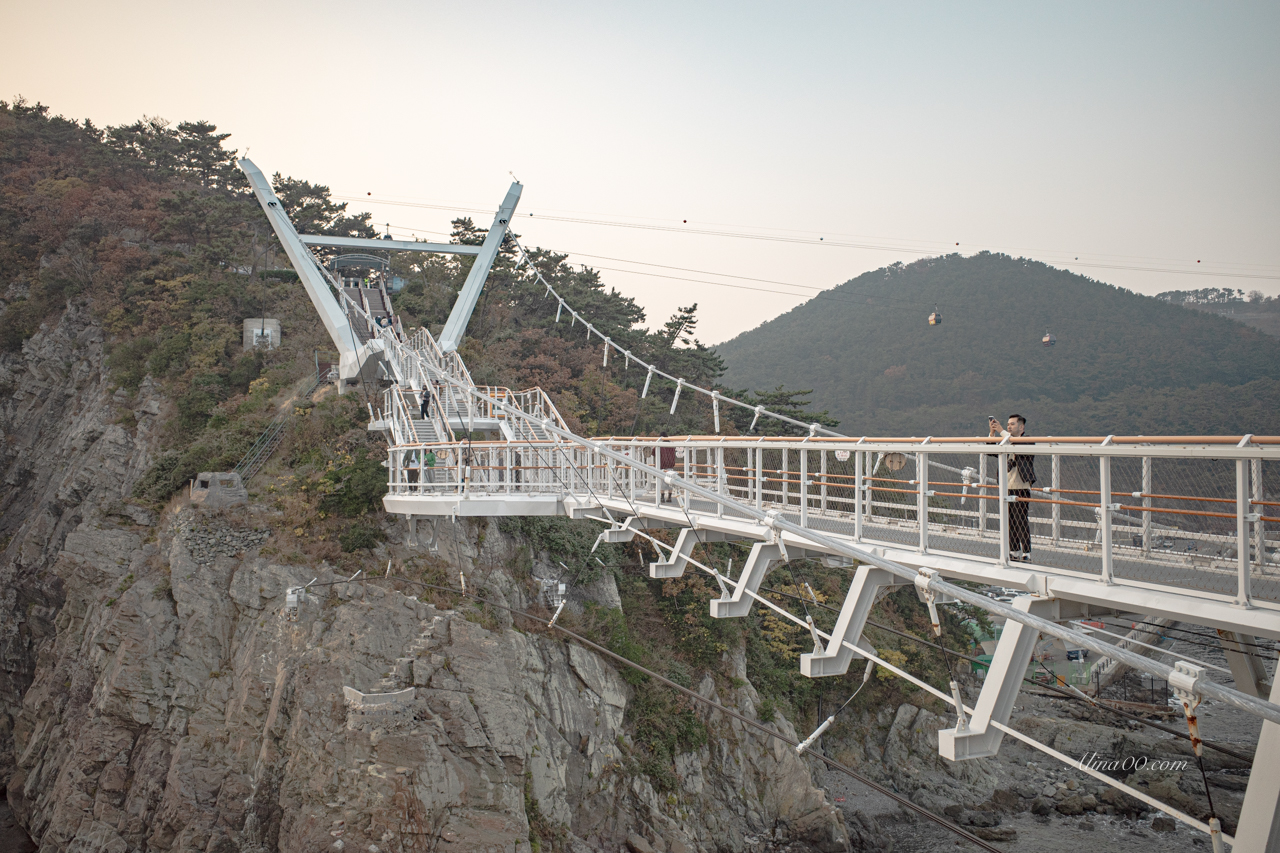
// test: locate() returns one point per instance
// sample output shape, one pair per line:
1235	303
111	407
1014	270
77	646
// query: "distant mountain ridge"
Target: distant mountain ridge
1122	362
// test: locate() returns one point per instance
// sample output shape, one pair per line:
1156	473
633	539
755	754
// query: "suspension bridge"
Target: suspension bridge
1174	528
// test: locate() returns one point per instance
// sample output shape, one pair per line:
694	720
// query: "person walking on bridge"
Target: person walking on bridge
1022	476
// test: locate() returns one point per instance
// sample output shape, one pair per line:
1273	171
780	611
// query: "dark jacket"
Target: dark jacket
1026	466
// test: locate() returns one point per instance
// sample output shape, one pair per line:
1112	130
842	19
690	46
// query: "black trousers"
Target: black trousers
1019	525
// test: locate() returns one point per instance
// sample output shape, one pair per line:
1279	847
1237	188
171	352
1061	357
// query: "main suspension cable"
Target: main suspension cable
1053	687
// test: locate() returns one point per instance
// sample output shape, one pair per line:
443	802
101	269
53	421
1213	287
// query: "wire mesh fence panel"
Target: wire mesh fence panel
1184	530
963	509
891	506
772	477
1064	513
831	491
739	473
1264	496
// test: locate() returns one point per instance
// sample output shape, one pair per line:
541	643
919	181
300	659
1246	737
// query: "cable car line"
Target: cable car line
934	319
913	305
922	252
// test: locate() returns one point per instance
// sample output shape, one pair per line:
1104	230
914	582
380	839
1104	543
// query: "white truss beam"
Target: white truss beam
304	263
979	738
1259	829
393	245
456	325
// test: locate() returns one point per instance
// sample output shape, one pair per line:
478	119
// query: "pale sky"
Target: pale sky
1124	135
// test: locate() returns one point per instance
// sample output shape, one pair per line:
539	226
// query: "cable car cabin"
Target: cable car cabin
1048	339
935	319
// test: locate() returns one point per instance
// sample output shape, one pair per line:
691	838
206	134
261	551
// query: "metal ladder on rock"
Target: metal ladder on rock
258	454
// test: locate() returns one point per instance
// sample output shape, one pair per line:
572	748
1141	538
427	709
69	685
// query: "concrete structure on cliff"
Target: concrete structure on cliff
1173	527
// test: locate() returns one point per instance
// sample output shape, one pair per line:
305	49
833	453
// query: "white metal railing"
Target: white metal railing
417	363
1093	510
595	454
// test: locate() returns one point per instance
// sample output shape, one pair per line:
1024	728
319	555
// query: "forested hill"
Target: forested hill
1122	362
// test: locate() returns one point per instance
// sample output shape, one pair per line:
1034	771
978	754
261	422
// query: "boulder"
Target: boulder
1071	806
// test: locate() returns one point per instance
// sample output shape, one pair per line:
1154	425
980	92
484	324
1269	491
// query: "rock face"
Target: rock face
157	695
188	713
65	457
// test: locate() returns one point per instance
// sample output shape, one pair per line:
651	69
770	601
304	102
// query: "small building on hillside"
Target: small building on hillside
218	489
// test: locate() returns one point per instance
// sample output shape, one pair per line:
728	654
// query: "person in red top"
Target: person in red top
667	462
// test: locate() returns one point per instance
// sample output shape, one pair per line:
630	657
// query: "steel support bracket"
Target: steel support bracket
976	737
835	658
763	556
674	566
927	597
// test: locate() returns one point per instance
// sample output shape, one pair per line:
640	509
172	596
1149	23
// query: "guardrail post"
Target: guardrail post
1055	483
804	487
822	469
1146	501
922	499
631	471
982	495
1104	514
759	478
1259	526
786	475
1243	579
685	465
1004	508
722	483
657	483
859	489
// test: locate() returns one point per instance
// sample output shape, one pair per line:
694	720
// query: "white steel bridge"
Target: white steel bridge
1175	528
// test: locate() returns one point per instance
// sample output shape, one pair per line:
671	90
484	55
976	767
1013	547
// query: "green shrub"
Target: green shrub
170	354
565	540
360	486
128	362
359	536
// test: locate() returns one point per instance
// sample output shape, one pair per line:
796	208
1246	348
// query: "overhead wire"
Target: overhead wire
933	248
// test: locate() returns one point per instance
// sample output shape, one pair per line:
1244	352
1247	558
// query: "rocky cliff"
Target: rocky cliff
157	694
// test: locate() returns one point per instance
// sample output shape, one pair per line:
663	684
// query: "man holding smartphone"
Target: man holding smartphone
1022	476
